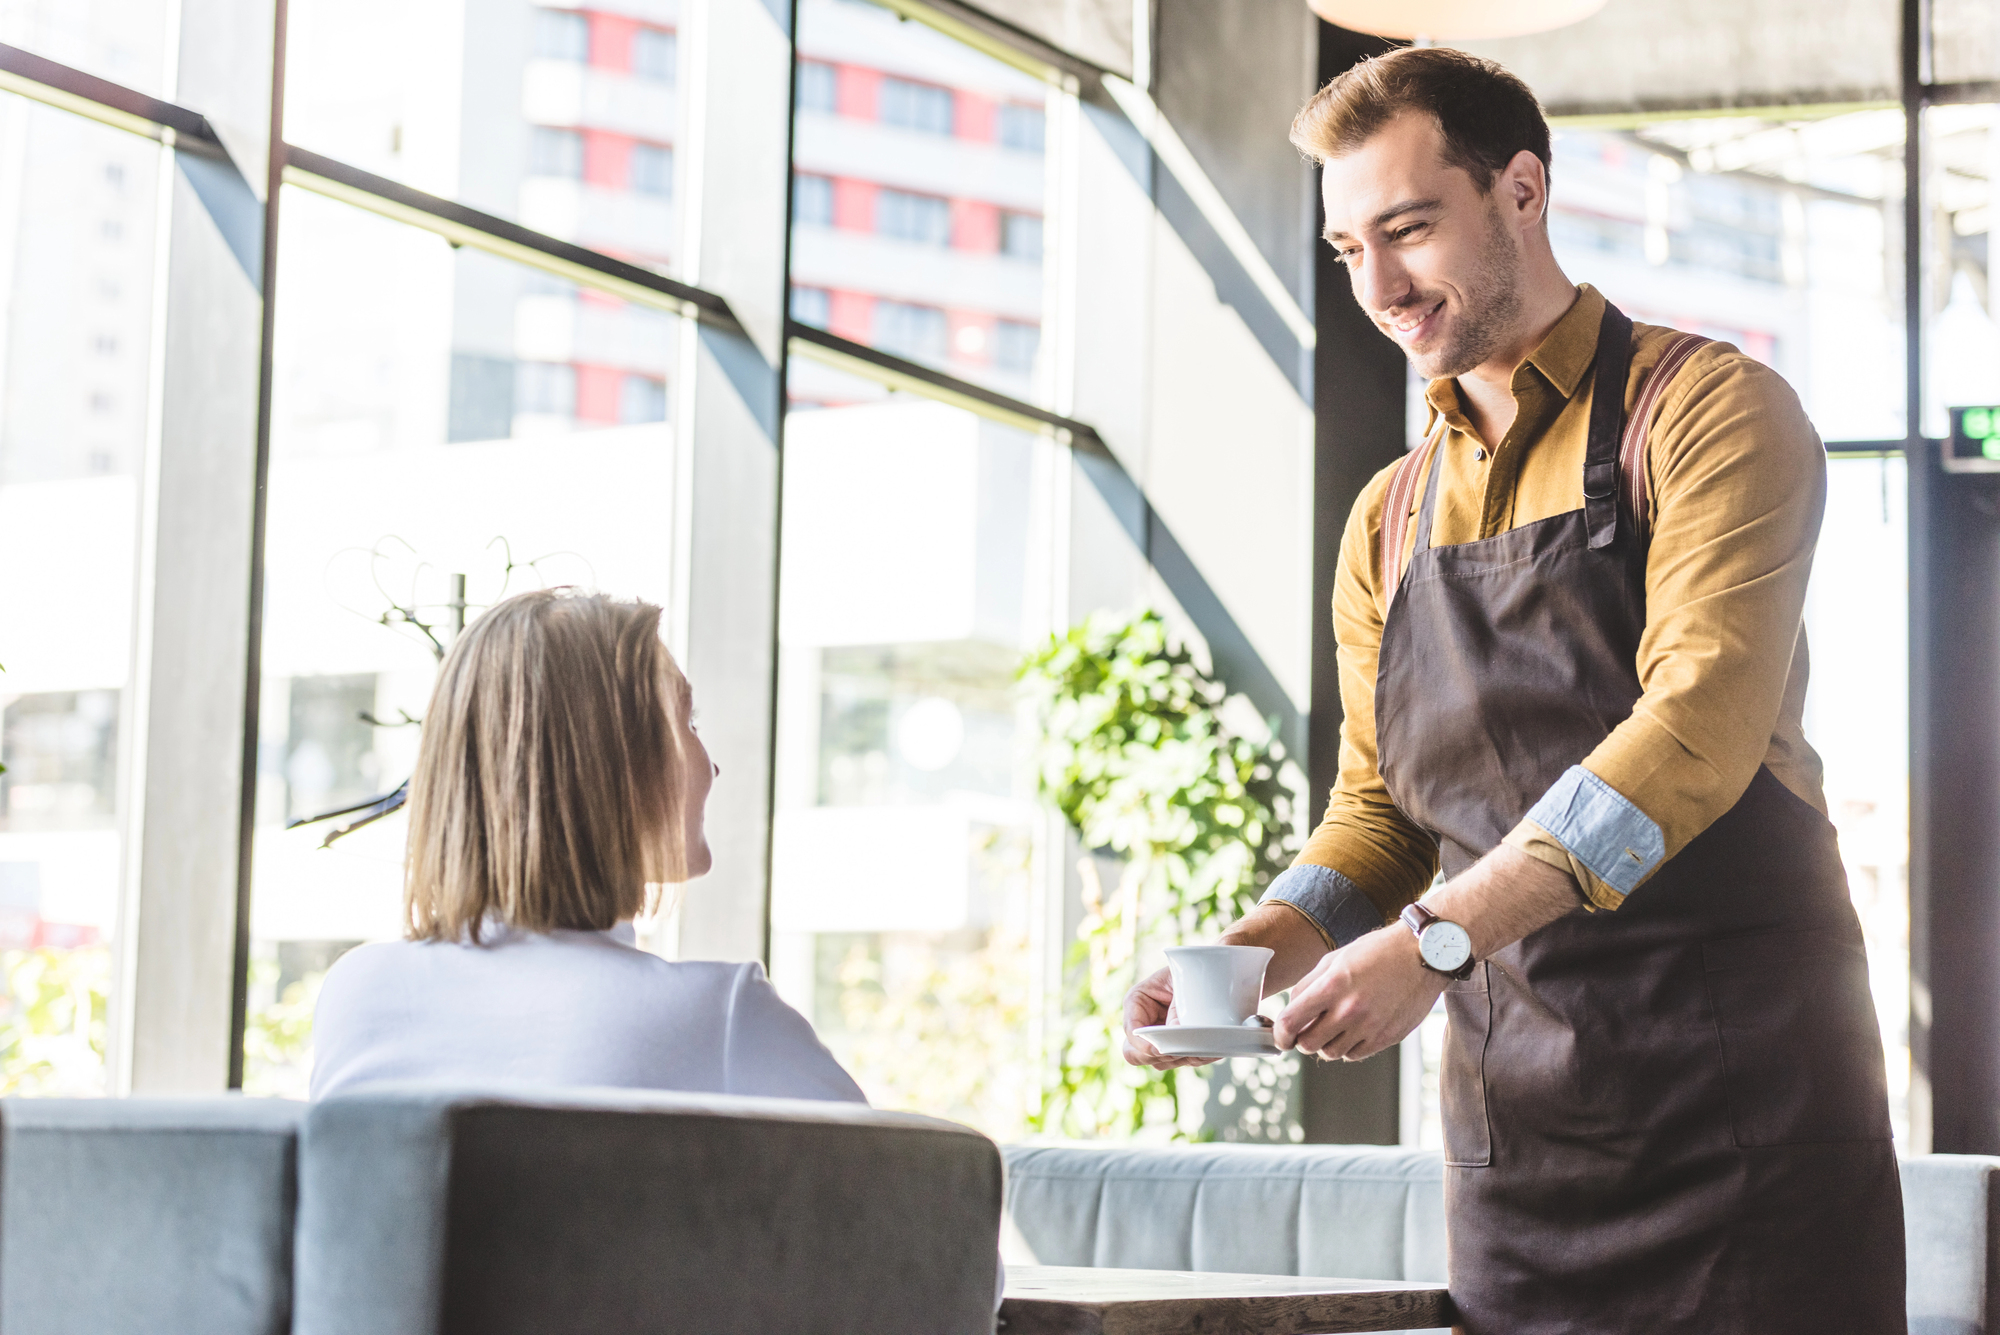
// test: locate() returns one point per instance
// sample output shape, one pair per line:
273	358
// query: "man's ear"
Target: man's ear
1523	187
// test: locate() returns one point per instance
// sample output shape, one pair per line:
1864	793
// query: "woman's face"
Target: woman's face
698	775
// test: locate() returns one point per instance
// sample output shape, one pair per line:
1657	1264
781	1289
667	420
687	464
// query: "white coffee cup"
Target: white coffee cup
1217	986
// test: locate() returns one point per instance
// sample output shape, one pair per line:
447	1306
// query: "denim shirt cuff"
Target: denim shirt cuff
1329	899
1620	844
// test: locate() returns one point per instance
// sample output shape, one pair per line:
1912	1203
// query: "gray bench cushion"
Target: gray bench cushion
146	1215
1365	1213
1358	1212
426	1210
1950	1212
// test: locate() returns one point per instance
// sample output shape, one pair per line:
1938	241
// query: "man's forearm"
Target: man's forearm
1296	943
1503	897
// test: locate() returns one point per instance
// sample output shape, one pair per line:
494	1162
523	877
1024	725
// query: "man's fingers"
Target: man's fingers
1308	1006
1138	1052
1326	1036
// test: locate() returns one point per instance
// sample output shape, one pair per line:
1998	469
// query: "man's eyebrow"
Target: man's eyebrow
1387	215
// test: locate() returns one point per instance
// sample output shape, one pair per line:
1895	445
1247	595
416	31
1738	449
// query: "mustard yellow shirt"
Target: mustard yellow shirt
1737	477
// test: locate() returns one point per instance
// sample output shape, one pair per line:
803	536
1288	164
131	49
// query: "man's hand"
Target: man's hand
1362	998
1374	991
1150	1003
1296	945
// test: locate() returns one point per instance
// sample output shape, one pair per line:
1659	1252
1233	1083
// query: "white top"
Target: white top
565	1008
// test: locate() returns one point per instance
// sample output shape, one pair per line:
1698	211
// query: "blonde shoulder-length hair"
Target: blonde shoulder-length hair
548	785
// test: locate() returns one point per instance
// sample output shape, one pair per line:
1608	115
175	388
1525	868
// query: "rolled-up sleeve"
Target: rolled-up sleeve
1366	860
1738	479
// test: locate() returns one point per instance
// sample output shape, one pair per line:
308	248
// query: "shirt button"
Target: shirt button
1479	453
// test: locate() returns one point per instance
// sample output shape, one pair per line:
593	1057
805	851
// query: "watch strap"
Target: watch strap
1416	917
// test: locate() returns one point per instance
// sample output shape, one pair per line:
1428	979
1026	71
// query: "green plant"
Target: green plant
277	1036
1135	753
53	1020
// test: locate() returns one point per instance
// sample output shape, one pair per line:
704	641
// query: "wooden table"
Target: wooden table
1081	1300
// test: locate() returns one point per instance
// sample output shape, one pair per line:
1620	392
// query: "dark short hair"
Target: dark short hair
1485	114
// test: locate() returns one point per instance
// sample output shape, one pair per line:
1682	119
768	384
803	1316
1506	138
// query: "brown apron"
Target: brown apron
1671	1117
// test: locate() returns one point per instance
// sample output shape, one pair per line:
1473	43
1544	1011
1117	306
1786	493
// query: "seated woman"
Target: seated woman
559	784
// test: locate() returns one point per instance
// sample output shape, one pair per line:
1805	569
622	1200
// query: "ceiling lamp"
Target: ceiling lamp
1453	20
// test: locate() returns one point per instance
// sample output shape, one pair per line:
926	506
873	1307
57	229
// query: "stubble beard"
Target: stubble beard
1492	296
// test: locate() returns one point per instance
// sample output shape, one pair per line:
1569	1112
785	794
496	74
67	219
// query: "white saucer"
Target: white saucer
1190	1040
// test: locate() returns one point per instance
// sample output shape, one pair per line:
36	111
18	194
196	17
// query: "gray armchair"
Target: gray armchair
603	1212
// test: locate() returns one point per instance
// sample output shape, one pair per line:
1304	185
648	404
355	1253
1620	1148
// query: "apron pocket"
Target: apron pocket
1468	1009
1801	1050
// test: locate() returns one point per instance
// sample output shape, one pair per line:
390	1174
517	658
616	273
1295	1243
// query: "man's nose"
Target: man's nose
1381	283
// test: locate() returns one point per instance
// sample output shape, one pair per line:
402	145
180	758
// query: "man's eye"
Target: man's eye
1349	255
1404	233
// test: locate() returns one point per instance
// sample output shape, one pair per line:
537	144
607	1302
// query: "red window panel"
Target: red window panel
974	117
607	159
856	91
853	204
611	41
597	390
975	226
971	336
851	315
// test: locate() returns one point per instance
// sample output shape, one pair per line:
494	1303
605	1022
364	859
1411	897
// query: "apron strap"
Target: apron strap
1607	421
1632	459
1396	507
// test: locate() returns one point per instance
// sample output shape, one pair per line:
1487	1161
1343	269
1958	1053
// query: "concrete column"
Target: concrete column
729	421
192	687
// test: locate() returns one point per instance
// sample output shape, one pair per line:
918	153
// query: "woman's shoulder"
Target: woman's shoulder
368	960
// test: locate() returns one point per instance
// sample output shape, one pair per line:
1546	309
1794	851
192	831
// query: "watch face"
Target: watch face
1445	946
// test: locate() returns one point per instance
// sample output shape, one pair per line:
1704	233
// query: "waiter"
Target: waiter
1572	668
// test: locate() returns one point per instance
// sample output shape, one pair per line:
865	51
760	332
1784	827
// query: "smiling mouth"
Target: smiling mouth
1412	328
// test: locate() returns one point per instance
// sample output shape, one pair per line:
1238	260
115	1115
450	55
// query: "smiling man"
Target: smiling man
1573	667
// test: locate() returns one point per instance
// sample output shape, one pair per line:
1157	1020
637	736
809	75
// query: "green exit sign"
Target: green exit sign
1975	436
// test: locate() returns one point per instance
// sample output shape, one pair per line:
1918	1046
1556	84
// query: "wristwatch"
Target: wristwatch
1444	947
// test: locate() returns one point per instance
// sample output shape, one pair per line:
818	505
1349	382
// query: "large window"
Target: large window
908	907
918	206
1857	718
125	41
78	239
1962	341
549	115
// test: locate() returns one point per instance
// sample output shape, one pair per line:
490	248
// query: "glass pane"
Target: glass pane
1857	716
125	41
1965	40
77	232
1961	341
1779	236
448	428
562	118
918	201
907	911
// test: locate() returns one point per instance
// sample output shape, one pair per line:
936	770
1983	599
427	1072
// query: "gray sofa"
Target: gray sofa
421	1211
1366	1213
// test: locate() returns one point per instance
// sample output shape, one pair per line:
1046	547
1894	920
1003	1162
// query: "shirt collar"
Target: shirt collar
1563	357
1570	348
